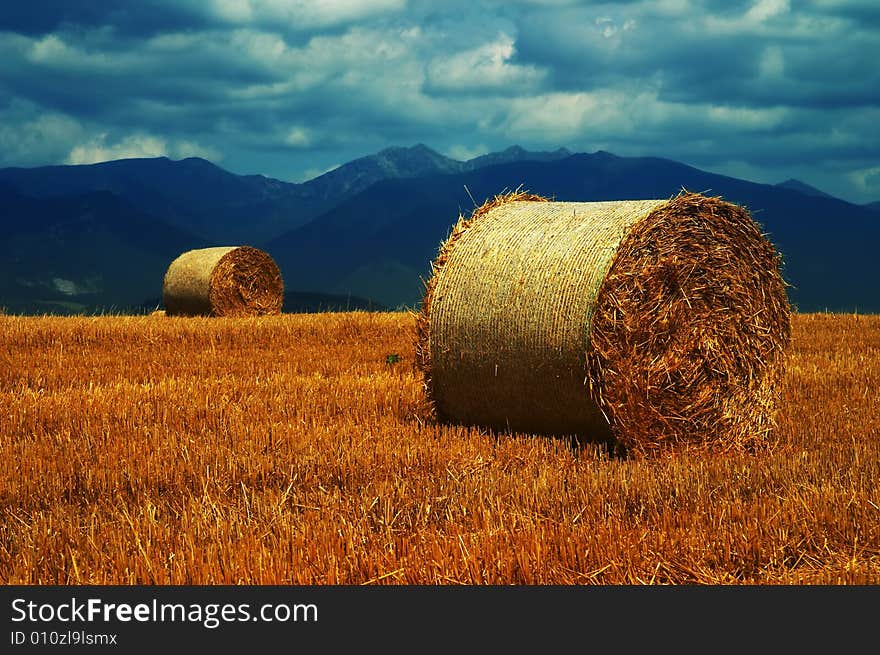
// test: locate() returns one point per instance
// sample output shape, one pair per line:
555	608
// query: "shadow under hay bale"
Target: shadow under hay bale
647	324
223	281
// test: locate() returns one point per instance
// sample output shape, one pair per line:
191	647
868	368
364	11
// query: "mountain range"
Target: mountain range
99	237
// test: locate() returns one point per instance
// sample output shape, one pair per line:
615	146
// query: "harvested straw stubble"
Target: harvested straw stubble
646	324
224	281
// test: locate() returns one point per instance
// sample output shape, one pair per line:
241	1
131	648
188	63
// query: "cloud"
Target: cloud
298	137
152	17
282	88
97	149
31	137
463	152
756	17
298	14
561	116
609	29
122	16
867	179
765	9
485	69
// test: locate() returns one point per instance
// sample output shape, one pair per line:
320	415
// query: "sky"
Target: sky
764	90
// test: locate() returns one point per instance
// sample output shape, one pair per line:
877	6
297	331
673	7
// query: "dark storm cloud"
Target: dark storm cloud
289	88
97	78
865	13
123	16
759	57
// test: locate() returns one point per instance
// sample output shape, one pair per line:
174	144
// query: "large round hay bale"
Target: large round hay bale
645	323
223	281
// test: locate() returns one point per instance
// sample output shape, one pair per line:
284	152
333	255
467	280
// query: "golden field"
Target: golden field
292	450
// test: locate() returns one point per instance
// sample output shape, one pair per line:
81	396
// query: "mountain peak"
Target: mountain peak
802	187
417	149
413	161
515	153
201	161
421	147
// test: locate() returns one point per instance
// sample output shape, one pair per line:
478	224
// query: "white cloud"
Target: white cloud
764	9
234	11
98	149
609	28
53	52
485	68
297	14
749	118
758	16
298	137
31	137
867	180
186	148
463	152
265	47
48	49
559	116
672	7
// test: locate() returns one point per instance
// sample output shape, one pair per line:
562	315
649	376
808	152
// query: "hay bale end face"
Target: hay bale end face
223	281
649	323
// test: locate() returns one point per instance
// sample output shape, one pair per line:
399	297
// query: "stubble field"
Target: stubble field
294	450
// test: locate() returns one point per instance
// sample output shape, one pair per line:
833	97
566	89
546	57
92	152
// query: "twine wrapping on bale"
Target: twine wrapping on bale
223	281
646	323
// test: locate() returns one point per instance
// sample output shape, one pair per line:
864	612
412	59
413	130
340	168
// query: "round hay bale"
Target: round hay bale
223	281
645	324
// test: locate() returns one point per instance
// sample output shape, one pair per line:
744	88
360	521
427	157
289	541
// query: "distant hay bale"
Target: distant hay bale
223	281
645	324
